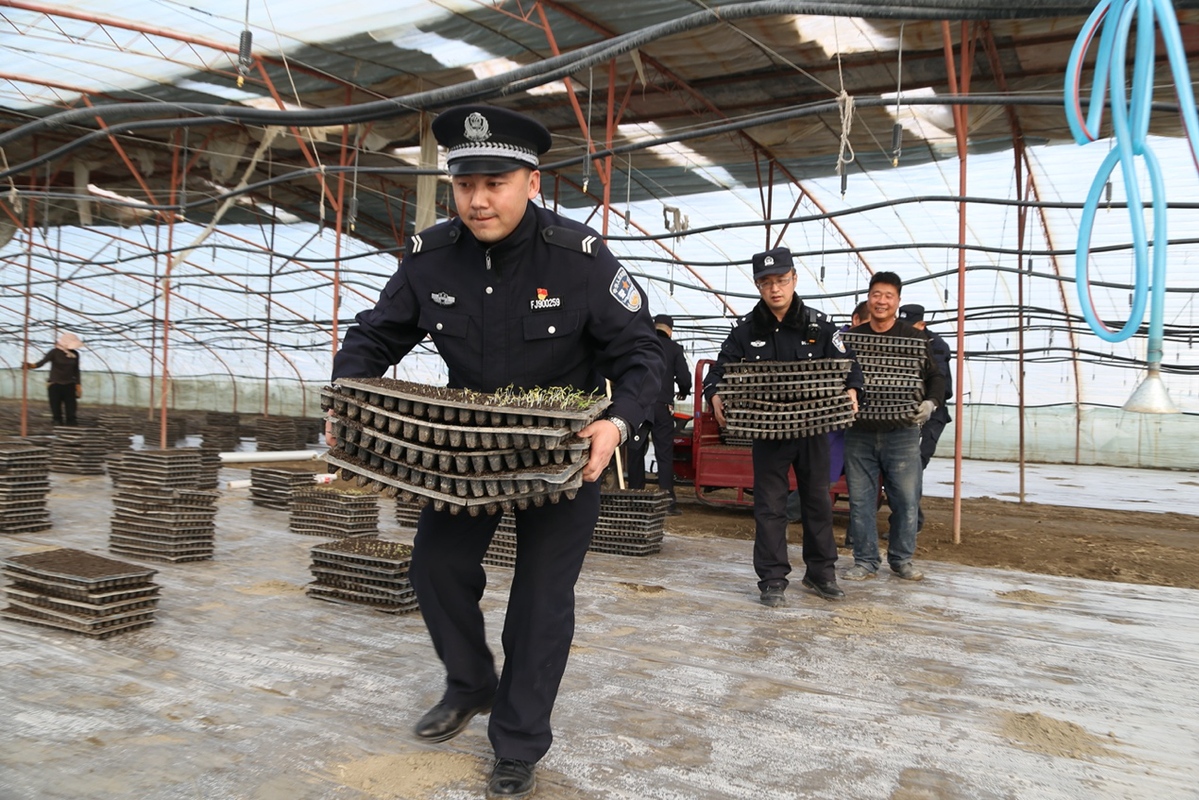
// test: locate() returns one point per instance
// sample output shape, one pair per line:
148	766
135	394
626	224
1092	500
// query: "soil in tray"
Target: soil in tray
66	561
481	399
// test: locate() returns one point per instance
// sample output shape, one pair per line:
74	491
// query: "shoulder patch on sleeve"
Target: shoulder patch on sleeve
837	343
580	241
433	238
625	291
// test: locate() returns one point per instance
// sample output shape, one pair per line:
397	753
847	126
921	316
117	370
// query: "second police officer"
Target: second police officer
782	328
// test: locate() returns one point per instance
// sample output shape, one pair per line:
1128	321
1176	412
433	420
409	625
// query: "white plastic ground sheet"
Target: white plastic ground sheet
972	684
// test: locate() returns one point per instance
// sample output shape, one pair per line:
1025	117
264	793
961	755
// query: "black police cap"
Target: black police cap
486	140
772	262
912	313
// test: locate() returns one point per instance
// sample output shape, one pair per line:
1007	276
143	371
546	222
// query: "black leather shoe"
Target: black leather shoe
828	590
511	778
442	722
773	597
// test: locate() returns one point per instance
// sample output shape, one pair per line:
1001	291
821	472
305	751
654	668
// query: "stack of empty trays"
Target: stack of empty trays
221	430
334	513
364	571
891	366
631	522
273	434
273	488
152	431
786	399
407	513
455	448
79	451
119	429
164	524
170	468
502	550
158	512
77	591
24	484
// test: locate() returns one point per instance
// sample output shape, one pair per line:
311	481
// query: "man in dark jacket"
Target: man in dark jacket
890	448
930	432
662	418
511	294
782	328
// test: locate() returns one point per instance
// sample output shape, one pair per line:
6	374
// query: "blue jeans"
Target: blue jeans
896	454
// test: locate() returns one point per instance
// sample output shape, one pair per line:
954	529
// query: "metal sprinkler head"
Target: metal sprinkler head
1151	397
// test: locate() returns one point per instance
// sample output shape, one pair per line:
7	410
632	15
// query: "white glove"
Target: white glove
927	407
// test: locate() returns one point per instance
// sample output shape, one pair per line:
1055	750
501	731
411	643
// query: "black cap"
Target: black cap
772	262
664	323
486	140
912	313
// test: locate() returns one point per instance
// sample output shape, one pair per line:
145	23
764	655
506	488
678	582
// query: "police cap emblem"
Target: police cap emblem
489	140
475	127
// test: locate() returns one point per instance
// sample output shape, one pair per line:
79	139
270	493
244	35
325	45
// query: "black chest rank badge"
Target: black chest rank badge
544	301
443	299
625	291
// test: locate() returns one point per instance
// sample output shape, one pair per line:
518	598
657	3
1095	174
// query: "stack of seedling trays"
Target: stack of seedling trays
152	431
170	468
502	550
631	522
24	484
77	591
891	366
364	571
334	513
210	467
163	524
309	431
786	399
119	428
79	451
461	450
273	488
407	513
273	434
221	430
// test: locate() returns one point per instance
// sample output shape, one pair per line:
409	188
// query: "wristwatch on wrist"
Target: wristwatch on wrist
621	426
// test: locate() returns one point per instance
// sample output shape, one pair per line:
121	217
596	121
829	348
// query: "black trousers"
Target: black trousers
663	436
62	403
448	576
931	432
773	460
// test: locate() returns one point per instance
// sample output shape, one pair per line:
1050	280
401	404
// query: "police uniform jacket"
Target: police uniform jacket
930	374
803	333
549	305
676	371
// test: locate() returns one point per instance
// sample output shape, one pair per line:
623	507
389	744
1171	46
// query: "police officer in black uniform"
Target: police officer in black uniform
930	432
662	416
511	294
782	328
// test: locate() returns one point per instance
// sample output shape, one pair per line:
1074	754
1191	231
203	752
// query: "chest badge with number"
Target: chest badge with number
544	301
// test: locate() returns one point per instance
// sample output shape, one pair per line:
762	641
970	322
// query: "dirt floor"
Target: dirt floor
1125	546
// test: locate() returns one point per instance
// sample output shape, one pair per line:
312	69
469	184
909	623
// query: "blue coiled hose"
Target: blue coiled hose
1130	124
